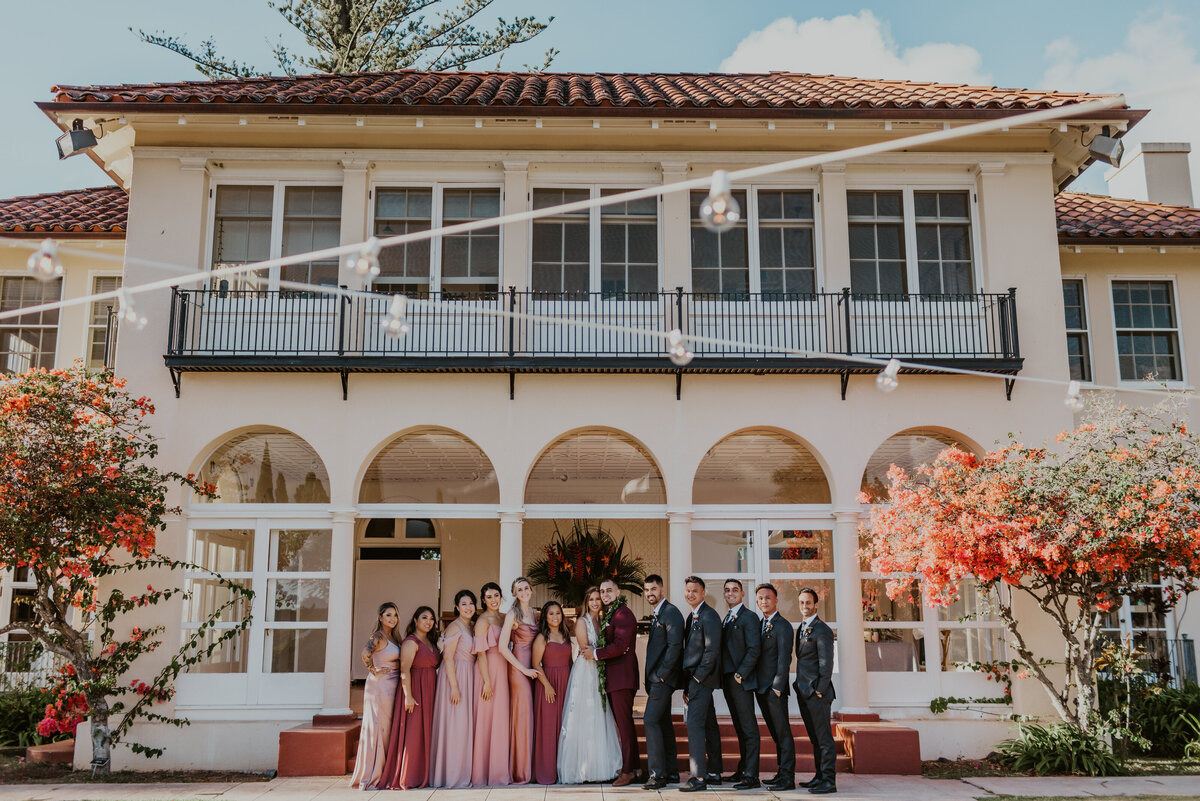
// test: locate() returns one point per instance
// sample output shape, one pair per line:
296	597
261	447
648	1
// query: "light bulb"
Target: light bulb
1073	401
128	314
886	381
677	350
720	211
43	263
366	262
394	324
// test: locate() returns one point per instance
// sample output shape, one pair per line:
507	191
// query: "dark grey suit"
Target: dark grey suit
664	660
739	657
774	665
814	676
702	675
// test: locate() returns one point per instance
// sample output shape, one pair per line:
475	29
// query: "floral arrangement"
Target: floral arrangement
583	558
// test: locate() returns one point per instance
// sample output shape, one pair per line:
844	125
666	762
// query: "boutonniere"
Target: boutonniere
767	629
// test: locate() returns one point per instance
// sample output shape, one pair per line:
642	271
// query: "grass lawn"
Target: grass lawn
15	770
1138	766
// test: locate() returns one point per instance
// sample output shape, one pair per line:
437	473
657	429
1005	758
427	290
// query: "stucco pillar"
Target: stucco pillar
679	548
835	235
354	214
341	603
512	524
852	657
992	205
677	231
515	254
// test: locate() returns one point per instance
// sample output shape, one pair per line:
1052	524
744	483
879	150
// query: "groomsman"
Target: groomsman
740	644
664	661
814	690
774	665
701	675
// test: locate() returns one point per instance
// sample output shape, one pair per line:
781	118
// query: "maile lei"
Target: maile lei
601	641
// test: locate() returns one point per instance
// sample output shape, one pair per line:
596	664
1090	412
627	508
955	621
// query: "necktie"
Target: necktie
729	618
766	620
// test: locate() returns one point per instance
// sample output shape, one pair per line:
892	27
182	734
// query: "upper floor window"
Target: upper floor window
1079	351
880	225
612	250
102	325
457	263
28	340
1147	330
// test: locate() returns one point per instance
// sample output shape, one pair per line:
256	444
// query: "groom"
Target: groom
620	675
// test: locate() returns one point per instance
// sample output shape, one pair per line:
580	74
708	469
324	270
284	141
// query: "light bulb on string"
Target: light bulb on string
886	381
720	211
395	323
677	350
366	261
127	313
1073	401
44	263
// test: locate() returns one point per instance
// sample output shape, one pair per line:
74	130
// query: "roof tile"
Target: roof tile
1086	217
99	211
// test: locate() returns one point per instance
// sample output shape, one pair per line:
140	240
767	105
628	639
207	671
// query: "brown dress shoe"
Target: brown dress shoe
622	780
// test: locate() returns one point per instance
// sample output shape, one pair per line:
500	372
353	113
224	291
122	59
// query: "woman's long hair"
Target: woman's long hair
458	596
391	635
517	608
587	597
544	621
481	607
412	624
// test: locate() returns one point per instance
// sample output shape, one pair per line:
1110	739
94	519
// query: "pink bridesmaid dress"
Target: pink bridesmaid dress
454	724
379	698
407	766
547	717
521	689
490	761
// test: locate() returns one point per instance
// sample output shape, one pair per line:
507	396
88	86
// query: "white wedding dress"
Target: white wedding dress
588	748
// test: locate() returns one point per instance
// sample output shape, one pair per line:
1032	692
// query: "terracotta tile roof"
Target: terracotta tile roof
469	92
100	211
1086	218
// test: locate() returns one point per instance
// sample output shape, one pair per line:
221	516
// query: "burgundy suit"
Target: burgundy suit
621	680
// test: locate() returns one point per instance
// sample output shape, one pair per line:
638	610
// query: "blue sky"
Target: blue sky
1095	46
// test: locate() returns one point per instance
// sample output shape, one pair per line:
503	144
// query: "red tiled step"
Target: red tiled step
318	750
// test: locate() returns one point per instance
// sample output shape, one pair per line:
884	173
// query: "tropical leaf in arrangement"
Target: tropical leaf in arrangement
583	558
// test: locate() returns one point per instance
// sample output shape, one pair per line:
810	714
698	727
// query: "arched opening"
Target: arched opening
908	449
265	465
595	465
759	466
430	465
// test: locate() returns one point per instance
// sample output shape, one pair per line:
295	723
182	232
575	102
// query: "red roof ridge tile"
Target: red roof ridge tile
99	210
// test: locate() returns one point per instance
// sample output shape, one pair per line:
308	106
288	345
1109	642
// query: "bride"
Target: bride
588	749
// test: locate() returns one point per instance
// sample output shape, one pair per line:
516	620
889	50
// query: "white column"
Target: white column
676	228
511	563
679	548
835	236
341	610
514	264
355	213
852	656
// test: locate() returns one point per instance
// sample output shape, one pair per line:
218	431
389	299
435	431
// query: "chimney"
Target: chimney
1158	172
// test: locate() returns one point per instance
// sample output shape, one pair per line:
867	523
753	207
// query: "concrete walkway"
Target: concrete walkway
863	788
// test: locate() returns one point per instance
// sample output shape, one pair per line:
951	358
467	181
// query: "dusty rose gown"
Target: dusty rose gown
454	724
520	688
407	764
490	762
547	717
379	698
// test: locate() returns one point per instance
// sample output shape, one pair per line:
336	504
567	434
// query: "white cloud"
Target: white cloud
1158	53
857	45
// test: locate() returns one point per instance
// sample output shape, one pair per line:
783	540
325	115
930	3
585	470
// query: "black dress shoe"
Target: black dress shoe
823	788
693	786
813	782
747	784
734	778
673	779
780	786
655	783
713	778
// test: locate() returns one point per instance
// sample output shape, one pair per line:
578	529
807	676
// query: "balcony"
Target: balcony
523	331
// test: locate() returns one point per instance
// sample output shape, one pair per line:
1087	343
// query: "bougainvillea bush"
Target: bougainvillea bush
81	506
1072	526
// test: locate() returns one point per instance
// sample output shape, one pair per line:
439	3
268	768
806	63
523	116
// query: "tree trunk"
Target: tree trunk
101	737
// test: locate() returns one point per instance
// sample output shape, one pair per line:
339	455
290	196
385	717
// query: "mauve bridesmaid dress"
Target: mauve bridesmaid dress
454	724
490	761
521	689
407	766
379	698
547	717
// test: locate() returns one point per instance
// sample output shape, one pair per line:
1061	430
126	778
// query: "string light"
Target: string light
720	211
44	263
886	381
366	262
127	313
1073	401
395	324
676	349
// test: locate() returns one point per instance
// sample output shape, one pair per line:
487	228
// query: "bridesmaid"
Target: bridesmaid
382	658
516	645
454	707
490	763
552	661
407	765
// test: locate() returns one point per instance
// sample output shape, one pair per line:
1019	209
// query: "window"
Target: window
561	244
628	246
1147	331
943	243
785	242
29	340
297	601
229	552
1079	351
99	344
720	261
459	263
311	221
877	258
969	629
242	229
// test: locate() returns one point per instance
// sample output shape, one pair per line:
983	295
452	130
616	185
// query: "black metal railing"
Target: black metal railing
270	329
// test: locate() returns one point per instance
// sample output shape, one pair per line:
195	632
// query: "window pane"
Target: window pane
223	550
403	210
726	251
294	600
229	657
295	651
206	596
789	597
311	221
801	551
960	647
475	254
29	340
302	550
722	551
878	607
